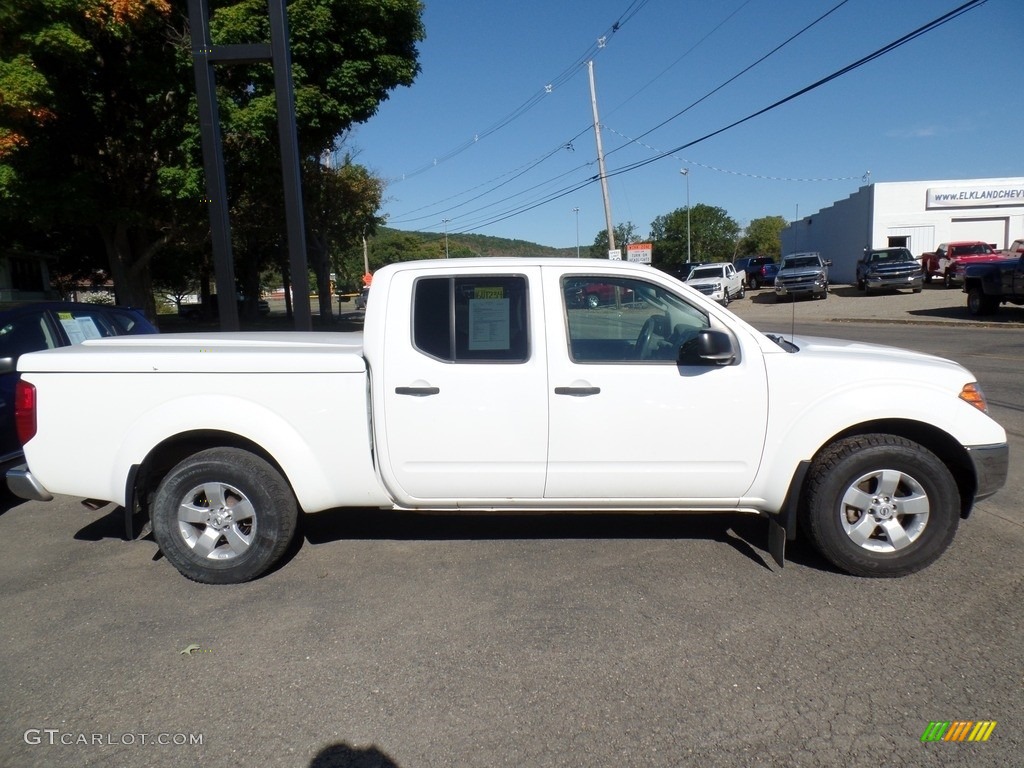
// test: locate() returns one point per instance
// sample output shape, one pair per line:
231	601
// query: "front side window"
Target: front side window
472	319
614	319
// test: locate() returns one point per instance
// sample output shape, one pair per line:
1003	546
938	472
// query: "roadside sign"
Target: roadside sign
639	252
615	254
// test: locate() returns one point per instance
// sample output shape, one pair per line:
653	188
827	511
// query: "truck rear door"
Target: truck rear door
464	418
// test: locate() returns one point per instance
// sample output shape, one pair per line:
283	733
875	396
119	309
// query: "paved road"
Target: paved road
394	640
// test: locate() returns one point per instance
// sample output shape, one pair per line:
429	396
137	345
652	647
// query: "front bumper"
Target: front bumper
797	289
892	281
991	466
24	485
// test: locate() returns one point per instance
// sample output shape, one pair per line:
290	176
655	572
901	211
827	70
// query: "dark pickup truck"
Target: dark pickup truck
993	283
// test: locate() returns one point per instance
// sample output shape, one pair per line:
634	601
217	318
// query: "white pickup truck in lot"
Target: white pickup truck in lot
477	385
719	282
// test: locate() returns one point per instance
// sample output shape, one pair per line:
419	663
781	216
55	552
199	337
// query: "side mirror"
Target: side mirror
828	262
708	347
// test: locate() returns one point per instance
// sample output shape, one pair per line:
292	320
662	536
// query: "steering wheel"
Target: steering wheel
643	341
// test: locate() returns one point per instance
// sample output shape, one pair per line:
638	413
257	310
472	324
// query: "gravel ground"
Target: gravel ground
934	305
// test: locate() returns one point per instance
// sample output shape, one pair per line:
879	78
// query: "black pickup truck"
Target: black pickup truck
993	283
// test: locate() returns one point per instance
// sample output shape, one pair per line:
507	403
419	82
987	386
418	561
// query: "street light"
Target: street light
686	173
445	222
577	212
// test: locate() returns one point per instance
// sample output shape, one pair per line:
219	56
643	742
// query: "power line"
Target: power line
563	77
898	43
687	161
403	219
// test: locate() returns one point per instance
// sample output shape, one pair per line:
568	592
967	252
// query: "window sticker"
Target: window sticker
79	329
488	323
497	292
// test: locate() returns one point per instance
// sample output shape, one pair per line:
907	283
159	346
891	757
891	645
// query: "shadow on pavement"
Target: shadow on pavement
747	534
343	756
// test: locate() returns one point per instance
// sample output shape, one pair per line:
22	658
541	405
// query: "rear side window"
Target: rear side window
28	333
471	319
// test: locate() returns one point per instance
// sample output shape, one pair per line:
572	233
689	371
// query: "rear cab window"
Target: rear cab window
478	318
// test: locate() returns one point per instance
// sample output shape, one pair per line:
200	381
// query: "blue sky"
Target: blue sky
480	140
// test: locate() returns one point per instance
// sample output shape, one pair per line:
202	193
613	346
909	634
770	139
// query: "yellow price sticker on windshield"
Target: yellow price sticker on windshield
65	316
488	293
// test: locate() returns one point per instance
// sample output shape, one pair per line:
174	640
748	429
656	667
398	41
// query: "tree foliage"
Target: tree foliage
625	234
98	125
763	237
711	231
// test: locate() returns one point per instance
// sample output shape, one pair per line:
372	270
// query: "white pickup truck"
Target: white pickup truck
478	385
719	282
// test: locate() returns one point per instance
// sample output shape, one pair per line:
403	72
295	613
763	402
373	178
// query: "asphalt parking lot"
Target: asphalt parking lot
396	640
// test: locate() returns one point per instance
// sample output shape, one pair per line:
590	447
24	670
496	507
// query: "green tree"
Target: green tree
98	122
624	235
763	237
712	235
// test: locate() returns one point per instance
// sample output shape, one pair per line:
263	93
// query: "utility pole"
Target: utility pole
600	161
445	222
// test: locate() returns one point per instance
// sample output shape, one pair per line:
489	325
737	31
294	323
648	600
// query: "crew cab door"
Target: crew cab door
461	416
627	422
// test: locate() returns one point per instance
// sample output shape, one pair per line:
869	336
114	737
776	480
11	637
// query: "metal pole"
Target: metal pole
213	164
290	168
686	173
600	161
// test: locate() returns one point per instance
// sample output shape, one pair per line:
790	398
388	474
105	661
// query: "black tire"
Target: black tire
979	304
947	280
743	291
206	539
754	283
861	285
880	505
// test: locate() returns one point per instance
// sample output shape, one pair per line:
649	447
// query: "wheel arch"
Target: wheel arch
144	478
947	448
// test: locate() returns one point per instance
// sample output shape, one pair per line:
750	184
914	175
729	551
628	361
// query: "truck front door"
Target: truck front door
627	422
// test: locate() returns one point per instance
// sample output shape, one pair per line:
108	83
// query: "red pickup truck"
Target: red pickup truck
944	261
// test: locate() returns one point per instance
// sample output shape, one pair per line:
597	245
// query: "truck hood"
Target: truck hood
706	280
896	266
271	352
863	353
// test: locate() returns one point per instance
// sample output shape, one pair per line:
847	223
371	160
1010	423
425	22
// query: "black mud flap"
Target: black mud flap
133	521
782	524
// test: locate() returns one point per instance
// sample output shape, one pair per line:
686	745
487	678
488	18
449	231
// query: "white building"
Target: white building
917	214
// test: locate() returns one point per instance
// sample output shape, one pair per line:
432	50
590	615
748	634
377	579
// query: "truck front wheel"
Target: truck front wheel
223	516
880	505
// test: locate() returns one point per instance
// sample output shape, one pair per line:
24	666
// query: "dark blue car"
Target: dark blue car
47	325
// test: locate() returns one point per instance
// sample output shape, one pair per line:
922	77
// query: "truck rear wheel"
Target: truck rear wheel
223	516
978	303
880	505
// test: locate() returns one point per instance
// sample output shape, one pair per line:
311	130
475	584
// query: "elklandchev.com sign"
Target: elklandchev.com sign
976	197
